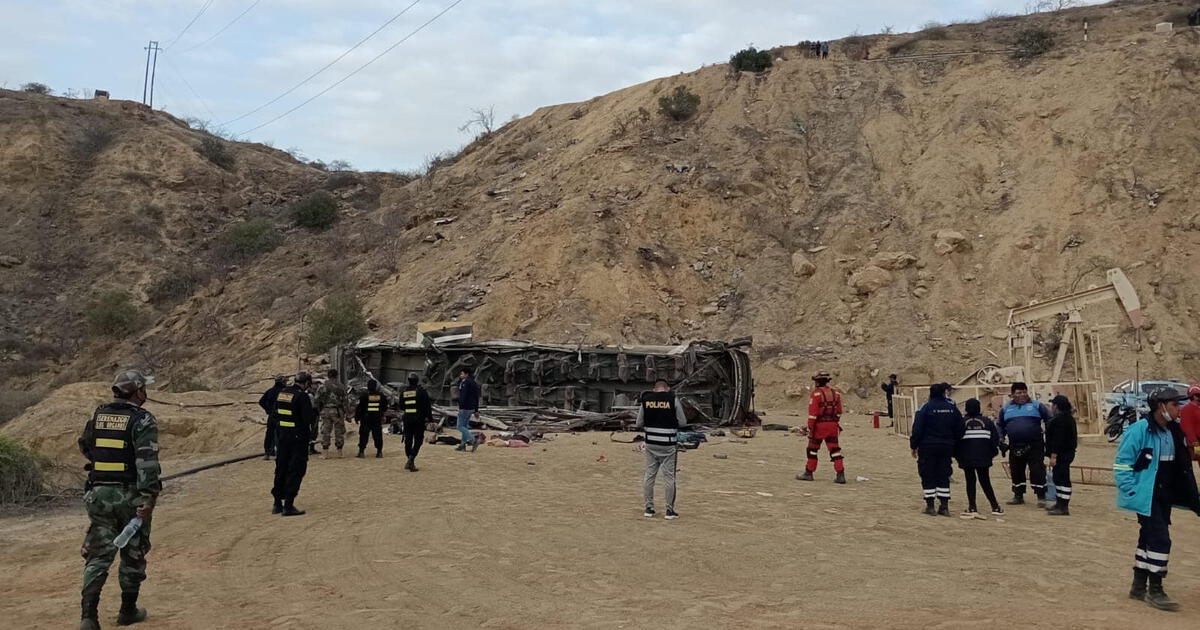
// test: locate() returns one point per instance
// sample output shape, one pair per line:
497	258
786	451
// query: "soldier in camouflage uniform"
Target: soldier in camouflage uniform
121	443
332	406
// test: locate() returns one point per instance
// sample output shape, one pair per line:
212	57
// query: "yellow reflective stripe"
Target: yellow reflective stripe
410	410
284	412
372	407
108	467
285	423
109	443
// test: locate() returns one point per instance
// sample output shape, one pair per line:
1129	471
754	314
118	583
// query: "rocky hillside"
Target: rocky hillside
857	215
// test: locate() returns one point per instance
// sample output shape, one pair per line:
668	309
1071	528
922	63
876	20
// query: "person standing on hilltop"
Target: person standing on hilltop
120	442
1020	423
824	417
332	403
1152	476
660	416
267	402
369	415
294	416
469	394
937	428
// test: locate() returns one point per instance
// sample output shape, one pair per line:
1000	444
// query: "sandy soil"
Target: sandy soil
549	537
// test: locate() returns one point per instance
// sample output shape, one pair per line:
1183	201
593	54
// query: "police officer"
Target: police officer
294	417
889	390
1153	474
369	415
660	415
937	428
824	416
417	411
267	402
1020	424
121	444
332	404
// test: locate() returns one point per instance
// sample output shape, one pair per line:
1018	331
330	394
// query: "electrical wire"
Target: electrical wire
323	68
356	70
189	24
189	87
223	28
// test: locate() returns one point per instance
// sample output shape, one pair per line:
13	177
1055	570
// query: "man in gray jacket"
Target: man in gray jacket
660	415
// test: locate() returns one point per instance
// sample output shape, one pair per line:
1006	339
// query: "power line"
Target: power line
189	24
358	69
323	68
179	74
223	28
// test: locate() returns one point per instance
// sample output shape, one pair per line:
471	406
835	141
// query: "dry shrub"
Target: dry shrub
21	472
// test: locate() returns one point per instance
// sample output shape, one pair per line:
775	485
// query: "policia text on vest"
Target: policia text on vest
660	415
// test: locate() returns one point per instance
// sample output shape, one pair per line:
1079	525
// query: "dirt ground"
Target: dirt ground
550	537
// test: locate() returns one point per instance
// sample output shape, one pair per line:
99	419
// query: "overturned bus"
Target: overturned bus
713	378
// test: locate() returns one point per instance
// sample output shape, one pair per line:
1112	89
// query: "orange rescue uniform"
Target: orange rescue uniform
824	412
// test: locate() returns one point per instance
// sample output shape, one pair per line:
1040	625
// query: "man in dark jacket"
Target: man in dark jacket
1062	438
936	429
889	389
1020	423
418	410
979	445
293	414
369	414
468	405
267	402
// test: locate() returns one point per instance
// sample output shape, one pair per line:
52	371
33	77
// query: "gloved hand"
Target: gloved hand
1003	449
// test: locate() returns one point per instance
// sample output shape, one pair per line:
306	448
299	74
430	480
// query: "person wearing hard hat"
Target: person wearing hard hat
120	442
294	416
1189	421
1153	475
824	415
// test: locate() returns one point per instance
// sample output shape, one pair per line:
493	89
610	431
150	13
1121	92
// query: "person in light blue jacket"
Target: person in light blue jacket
1154	474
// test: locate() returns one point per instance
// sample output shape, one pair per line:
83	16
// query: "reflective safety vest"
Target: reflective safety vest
410	402
374	403
658	418
285	409
113	457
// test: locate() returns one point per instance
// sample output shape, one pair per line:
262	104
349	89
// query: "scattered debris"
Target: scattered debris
720	456
10	261
678	168
444	220
764	494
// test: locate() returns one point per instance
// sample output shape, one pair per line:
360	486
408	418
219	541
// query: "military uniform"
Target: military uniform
121	442
332	403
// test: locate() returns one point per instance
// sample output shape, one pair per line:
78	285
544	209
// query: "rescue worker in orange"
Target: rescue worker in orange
824	413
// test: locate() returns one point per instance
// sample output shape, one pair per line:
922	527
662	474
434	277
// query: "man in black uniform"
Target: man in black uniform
417	411
267	402
369	415
936	429
294	416
889	389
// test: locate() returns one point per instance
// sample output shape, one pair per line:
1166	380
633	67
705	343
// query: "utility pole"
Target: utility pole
151	70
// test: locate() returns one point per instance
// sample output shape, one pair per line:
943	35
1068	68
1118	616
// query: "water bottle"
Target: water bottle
127	533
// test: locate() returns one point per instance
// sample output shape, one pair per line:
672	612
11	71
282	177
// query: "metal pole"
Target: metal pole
153	71
146	77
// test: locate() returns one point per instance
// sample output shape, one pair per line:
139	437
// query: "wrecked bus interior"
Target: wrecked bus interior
712	378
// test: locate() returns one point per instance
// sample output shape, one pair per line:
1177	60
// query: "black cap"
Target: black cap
413	379
1062	402
1164	395
973	407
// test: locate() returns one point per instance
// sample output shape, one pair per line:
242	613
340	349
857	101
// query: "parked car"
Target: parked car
1126	395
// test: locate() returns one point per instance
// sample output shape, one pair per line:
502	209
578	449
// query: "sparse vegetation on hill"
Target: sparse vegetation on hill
751	60
339	320
317	211
680	104
112	313
216	151
36	88
251	238
1032	42
21	476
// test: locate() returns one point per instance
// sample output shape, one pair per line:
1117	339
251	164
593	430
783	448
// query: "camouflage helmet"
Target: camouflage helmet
302	378
126	382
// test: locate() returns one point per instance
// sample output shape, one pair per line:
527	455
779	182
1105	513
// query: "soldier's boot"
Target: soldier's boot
408	465
413	466
130	613
378	452
1138	590
1156	597
360	453
339	452
90	619
1018	499
805	476
278	507
289	509
841	478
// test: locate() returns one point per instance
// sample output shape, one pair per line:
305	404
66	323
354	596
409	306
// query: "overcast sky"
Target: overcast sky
514	54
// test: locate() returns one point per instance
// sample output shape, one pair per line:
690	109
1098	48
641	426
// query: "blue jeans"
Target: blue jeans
464	425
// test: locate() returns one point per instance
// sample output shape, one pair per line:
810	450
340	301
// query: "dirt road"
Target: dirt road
549	537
